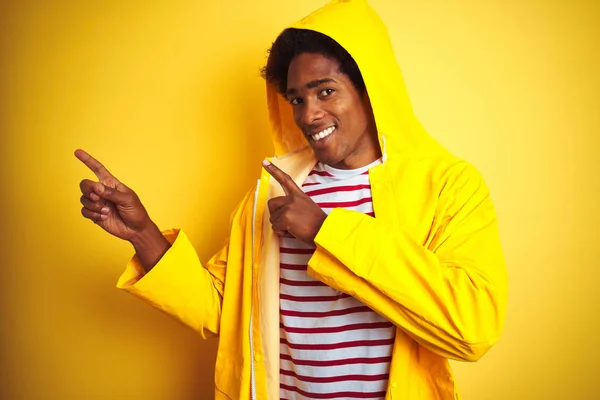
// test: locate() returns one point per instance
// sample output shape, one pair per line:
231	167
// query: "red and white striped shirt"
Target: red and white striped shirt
332	346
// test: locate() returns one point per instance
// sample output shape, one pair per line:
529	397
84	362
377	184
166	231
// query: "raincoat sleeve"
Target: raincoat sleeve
180	285
449	296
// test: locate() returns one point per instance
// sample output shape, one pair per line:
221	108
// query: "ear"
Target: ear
365	98
369	110
367	103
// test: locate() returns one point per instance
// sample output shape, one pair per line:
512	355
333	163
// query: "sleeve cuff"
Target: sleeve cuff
134	271
337	243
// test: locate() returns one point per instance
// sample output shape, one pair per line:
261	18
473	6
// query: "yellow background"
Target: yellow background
169	97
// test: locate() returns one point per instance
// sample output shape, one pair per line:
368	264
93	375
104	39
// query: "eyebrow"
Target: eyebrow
311	85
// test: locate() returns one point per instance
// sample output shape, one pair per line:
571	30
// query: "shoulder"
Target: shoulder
440	174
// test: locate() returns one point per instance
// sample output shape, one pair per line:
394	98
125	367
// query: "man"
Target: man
360	270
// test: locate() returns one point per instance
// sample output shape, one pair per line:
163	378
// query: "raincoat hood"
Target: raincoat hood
355	26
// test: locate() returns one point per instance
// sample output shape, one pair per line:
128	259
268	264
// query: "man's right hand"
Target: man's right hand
119	211
110	204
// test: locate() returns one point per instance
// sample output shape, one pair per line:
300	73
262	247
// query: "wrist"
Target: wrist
147	238
150	246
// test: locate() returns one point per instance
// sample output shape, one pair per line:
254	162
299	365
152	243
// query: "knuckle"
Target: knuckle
130	198
87	213
283	219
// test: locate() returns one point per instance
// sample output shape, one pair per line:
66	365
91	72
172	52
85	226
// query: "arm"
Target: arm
165	270
180	285
450	296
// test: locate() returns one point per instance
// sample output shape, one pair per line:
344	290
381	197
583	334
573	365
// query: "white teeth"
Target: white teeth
324	133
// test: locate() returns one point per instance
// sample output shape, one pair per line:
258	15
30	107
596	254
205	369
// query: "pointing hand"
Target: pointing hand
294	213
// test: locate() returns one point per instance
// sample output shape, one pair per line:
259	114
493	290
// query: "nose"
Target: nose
310	113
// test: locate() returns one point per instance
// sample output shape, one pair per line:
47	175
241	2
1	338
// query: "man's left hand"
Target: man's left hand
295	213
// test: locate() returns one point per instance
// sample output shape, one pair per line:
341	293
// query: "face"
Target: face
336	120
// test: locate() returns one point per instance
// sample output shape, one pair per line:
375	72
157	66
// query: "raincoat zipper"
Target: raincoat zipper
252	377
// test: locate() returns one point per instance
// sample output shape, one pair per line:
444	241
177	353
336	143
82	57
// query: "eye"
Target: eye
295	101
326	92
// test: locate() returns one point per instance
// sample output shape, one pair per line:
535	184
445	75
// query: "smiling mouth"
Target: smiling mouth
323	134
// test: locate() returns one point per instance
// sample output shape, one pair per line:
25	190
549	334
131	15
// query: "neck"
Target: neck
368	151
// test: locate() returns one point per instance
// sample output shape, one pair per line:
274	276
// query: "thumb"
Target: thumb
111	194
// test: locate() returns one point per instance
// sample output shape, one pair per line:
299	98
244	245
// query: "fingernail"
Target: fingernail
100	188
105	210
103	216
94	196
266	163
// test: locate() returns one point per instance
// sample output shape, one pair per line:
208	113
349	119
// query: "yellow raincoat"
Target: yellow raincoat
430	261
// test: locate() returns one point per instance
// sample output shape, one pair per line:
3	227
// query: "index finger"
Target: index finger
96	166
286	182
